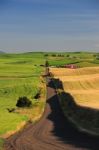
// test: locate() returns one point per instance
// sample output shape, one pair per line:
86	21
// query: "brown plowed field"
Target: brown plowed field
52	132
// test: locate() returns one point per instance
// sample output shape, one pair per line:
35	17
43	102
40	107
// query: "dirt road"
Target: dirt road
52	132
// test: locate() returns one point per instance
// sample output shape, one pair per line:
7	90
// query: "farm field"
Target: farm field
82	84
81	59
20	75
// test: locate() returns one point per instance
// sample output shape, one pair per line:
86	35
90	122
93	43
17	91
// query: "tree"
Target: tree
54	55
23	102
68	55
46	55
46	64
37	96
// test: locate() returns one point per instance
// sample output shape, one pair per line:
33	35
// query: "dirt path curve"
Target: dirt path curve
52	132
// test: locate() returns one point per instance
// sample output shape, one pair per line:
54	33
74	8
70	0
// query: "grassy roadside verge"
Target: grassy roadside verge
83	118
34	114
1	143
20	75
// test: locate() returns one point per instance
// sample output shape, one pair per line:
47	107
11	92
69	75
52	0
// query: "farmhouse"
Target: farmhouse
71	66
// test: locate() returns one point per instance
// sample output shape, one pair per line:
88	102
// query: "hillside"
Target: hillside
82	84
1	52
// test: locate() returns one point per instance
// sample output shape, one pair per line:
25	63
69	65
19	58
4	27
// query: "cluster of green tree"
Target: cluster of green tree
55	55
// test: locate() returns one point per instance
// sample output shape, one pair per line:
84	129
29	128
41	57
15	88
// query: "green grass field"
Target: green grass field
20	75
81	59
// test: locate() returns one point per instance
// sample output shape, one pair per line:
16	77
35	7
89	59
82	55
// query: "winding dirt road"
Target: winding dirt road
52	132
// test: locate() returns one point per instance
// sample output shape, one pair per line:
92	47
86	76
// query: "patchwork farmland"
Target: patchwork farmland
21	76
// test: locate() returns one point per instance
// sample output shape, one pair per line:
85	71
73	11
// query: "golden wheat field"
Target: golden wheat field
82	84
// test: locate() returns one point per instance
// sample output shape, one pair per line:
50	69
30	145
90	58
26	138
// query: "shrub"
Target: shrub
46	55
60	55
11	110
68	55
54	55
37	96
23	102
46	64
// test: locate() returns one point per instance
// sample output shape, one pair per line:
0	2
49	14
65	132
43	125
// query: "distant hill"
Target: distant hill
1	52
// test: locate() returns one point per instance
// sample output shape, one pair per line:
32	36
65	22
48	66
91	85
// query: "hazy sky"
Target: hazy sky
69	25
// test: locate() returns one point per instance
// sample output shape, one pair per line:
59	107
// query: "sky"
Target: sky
49	25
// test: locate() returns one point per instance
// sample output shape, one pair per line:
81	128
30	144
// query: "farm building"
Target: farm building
71	66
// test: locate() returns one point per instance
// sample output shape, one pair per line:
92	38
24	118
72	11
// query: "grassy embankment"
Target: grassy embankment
80	96
20	75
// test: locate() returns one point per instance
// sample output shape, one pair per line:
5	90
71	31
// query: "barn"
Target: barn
71	66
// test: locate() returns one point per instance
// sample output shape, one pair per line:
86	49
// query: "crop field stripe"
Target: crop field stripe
83	84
